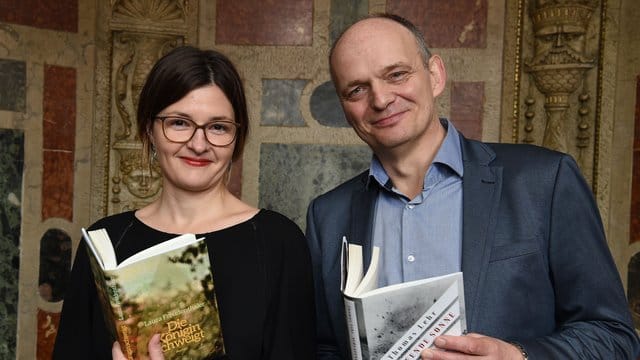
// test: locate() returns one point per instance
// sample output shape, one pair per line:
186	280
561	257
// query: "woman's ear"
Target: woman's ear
150	135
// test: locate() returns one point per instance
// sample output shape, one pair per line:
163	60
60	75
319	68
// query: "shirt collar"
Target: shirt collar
449	154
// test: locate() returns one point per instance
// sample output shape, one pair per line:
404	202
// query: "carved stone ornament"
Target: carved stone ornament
560	62
141	31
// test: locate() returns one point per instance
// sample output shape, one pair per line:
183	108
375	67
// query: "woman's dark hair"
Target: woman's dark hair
181	71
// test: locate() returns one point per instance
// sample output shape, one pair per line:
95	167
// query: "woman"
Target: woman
192	118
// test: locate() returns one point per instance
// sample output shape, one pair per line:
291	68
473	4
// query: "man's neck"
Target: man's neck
407	165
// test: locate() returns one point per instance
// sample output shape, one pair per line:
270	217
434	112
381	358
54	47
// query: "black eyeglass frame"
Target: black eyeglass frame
197	127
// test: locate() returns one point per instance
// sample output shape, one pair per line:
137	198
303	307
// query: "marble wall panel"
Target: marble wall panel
12	85
281	102
314	168
257	22
446	24
57	185
59	15
59	104
58	134
467	107
11	172
325	106
343	13
47	330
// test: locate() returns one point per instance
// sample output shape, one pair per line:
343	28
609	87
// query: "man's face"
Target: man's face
386	91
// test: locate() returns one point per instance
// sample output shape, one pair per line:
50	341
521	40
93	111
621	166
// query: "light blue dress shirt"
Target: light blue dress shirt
421	237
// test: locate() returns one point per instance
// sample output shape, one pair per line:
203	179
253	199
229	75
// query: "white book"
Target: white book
396	322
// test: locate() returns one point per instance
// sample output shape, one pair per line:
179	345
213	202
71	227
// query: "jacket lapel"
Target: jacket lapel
482	184
362	216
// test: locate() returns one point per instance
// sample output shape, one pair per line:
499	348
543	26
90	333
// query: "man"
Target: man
518	220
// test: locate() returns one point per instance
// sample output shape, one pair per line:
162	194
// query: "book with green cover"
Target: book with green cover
166	289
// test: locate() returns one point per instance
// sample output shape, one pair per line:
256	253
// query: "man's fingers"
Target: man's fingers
471	345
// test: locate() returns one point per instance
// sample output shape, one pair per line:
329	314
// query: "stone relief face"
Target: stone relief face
142	182
560	32
558	36
560	45
560	61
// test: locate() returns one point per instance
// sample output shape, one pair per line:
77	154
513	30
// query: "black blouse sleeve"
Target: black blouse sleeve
292	313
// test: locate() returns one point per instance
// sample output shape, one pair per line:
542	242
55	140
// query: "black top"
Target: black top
263	284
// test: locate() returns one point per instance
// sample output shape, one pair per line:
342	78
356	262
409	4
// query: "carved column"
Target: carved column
135	33
560	62
554	48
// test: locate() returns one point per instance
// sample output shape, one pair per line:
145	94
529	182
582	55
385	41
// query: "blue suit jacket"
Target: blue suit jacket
537	268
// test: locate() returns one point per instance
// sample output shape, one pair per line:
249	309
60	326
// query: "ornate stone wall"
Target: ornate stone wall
132	35
47	58
561	74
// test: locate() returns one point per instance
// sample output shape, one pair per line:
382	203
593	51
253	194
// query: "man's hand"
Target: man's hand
155	350
471	346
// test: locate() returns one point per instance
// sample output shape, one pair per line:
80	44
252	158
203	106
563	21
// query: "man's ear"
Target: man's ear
438	74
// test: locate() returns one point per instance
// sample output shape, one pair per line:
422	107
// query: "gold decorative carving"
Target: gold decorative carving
134	55
560	62
583	125
554	95
121	82
142	182
153	10
529	116
131	36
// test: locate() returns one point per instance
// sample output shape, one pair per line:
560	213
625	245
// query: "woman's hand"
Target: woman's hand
155	349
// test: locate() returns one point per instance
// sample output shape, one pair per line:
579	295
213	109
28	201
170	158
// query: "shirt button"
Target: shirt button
411	258
410	206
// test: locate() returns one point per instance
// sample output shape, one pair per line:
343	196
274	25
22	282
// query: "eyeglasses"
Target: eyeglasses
181	130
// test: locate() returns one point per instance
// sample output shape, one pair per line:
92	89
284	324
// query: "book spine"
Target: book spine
423	324
126	334
127	340
352	329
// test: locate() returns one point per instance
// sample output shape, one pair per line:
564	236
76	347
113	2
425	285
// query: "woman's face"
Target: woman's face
195	165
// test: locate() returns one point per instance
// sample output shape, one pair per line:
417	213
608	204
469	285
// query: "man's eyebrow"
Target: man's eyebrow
395	66
354	83
384	70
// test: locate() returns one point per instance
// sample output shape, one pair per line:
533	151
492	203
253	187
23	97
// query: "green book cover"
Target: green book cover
167	289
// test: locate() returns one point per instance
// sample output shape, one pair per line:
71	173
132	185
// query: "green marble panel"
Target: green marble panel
344	13
13	85
11	166
293	174
281	102
325	106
